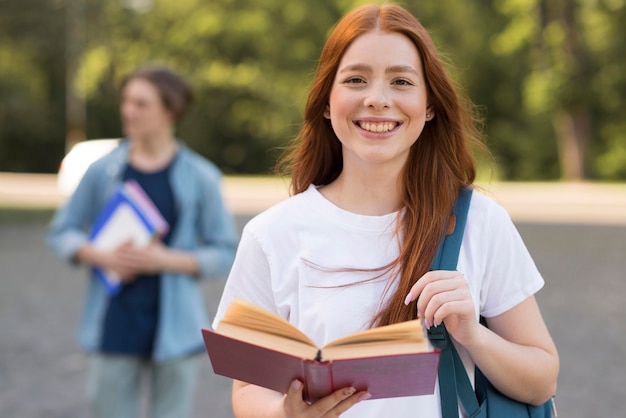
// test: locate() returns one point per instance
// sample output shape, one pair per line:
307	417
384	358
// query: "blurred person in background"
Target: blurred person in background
153	323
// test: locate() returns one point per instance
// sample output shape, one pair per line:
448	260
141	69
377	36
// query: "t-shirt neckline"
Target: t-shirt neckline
347	218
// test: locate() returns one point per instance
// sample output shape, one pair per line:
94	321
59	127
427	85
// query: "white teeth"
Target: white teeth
378	127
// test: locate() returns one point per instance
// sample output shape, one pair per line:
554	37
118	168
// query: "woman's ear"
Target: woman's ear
430	113
327	112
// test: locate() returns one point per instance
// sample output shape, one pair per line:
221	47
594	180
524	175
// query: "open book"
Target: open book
258	347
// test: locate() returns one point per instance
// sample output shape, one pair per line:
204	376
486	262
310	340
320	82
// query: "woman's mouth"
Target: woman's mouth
377	127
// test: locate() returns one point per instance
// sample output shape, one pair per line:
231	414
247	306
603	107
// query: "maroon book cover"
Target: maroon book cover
382	376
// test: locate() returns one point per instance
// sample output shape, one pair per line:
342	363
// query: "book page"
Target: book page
245	314
374	349
403	331
401	338
271	341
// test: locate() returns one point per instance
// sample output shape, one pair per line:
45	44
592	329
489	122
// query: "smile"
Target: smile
377	127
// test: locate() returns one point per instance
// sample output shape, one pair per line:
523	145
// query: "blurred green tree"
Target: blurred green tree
545	73
249	62
521	146
572	48
32	96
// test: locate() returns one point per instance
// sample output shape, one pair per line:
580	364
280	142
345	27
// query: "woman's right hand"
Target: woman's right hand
255	401
332	405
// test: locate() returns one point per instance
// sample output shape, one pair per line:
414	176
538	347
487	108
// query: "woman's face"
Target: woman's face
143	112
378	102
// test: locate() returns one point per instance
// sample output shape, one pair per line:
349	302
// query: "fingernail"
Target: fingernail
365	396
296	384
349	392
407	300
426	323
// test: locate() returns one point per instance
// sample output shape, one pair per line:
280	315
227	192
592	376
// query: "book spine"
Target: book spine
318	379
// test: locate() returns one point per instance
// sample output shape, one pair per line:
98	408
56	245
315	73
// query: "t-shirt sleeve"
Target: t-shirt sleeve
510	274
249	278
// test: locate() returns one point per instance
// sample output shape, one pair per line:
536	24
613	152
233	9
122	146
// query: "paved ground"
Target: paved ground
581	254
42	371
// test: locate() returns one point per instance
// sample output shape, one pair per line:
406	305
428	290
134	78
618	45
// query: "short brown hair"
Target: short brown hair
175	93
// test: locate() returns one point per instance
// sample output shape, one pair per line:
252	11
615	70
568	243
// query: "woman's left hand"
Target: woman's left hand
444	296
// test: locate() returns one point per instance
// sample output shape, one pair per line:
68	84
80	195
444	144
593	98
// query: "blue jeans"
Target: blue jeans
114	386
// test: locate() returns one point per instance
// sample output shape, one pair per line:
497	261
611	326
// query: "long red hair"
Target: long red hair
440	163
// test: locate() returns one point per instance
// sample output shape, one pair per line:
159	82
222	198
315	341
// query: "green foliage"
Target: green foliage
251	63
572	50
611	164
31	85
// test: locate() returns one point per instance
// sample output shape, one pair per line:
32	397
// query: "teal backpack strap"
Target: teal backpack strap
446	259
455	387
448	252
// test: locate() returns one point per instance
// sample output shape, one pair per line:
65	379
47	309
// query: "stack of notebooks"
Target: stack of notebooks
129	216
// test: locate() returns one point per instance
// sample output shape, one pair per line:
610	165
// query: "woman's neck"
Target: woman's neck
369	193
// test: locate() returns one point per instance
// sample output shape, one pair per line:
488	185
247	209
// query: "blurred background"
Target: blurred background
548	76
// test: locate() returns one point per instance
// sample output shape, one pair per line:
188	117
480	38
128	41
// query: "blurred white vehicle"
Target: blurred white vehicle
78	160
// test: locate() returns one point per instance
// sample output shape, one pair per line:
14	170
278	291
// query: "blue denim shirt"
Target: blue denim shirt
204	228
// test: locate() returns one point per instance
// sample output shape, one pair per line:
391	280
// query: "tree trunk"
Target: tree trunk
572	121
572	128
75	113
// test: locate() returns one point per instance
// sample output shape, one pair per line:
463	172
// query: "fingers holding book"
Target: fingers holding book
332	405
127	260
146	260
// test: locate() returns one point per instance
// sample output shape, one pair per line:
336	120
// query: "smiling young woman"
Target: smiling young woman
383	152
377	108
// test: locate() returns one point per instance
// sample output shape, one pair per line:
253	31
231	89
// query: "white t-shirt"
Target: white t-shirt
293	258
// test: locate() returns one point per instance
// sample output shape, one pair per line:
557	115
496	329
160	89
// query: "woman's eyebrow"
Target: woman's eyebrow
356	67
389	70
401	69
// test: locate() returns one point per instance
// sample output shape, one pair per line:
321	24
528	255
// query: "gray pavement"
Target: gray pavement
42	371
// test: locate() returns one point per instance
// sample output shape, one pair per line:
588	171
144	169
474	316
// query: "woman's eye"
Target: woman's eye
402	82
354	80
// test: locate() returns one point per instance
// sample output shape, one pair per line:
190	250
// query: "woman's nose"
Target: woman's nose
377	96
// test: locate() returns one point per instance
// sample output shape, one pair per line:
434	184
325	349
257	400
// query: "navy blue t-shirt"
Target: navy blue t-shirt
131	318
